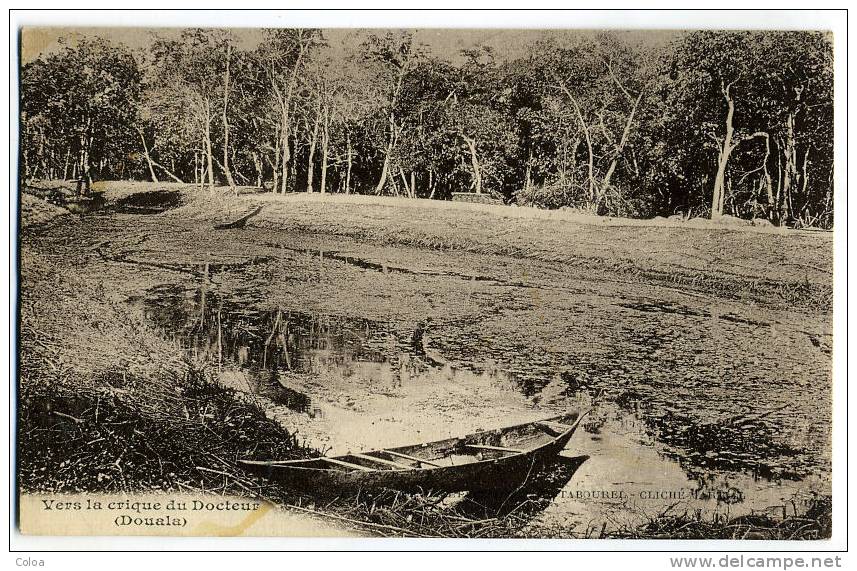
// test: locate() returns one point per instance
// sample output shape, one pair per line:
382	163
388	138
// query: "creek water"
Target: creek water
347	383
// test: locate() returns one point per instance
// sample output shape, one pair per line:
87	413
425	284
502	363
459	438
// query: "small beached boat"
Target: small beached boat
493	459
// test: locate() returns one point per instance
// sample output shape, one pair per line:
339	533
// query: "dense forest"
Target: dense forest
705	124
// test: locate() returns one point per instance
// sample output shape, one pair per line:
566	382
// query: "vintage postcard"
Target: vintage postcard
426	283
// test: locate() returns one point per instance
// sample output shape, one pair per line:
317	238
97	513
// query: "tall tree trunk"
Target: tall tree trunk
207	142
226	172
53	164
283	145
779	195
257	163
275	164
80	160
285	100
348	167
87	156
148	158
408	191
528	176
311	158
41	153
617	153
804	180
325	138
826	215
385	168
65	165
593	199
84	184
769	185
474	163
719	186
726	148
790	171
590	162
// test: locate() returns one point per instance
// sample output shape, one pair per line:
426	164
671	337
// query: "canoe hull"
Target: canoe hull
504	473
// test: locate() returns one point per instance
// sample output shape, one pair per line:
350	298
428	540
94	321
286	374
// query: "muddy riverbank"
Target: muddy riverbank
714	364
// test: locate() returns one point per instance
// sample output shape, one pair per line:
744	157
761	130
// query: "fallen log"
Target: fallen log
241	222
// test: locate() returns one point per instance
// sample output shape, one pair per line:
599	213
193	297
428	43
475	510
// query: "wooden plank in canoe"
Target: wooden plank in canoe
398	465
552	424
552	432
407	457
279	462
346	464
496	448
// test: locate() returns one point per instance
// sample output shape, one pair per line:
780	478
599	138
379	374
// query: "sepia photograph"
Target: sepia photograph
426	282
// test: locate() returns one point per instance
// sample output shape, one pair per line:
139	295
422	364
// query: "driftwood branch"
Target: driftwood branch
241	222
746	418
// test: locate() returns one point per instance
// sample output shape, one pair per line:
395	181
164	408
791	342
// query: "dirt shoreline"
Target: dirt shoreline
784	267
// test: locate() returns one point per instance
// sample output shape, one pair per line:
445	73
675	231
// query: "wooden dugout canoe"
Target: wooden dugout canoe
493	459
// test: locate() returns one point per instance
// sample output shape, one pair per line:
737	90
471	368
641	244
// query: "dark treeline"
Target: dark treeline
709	123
